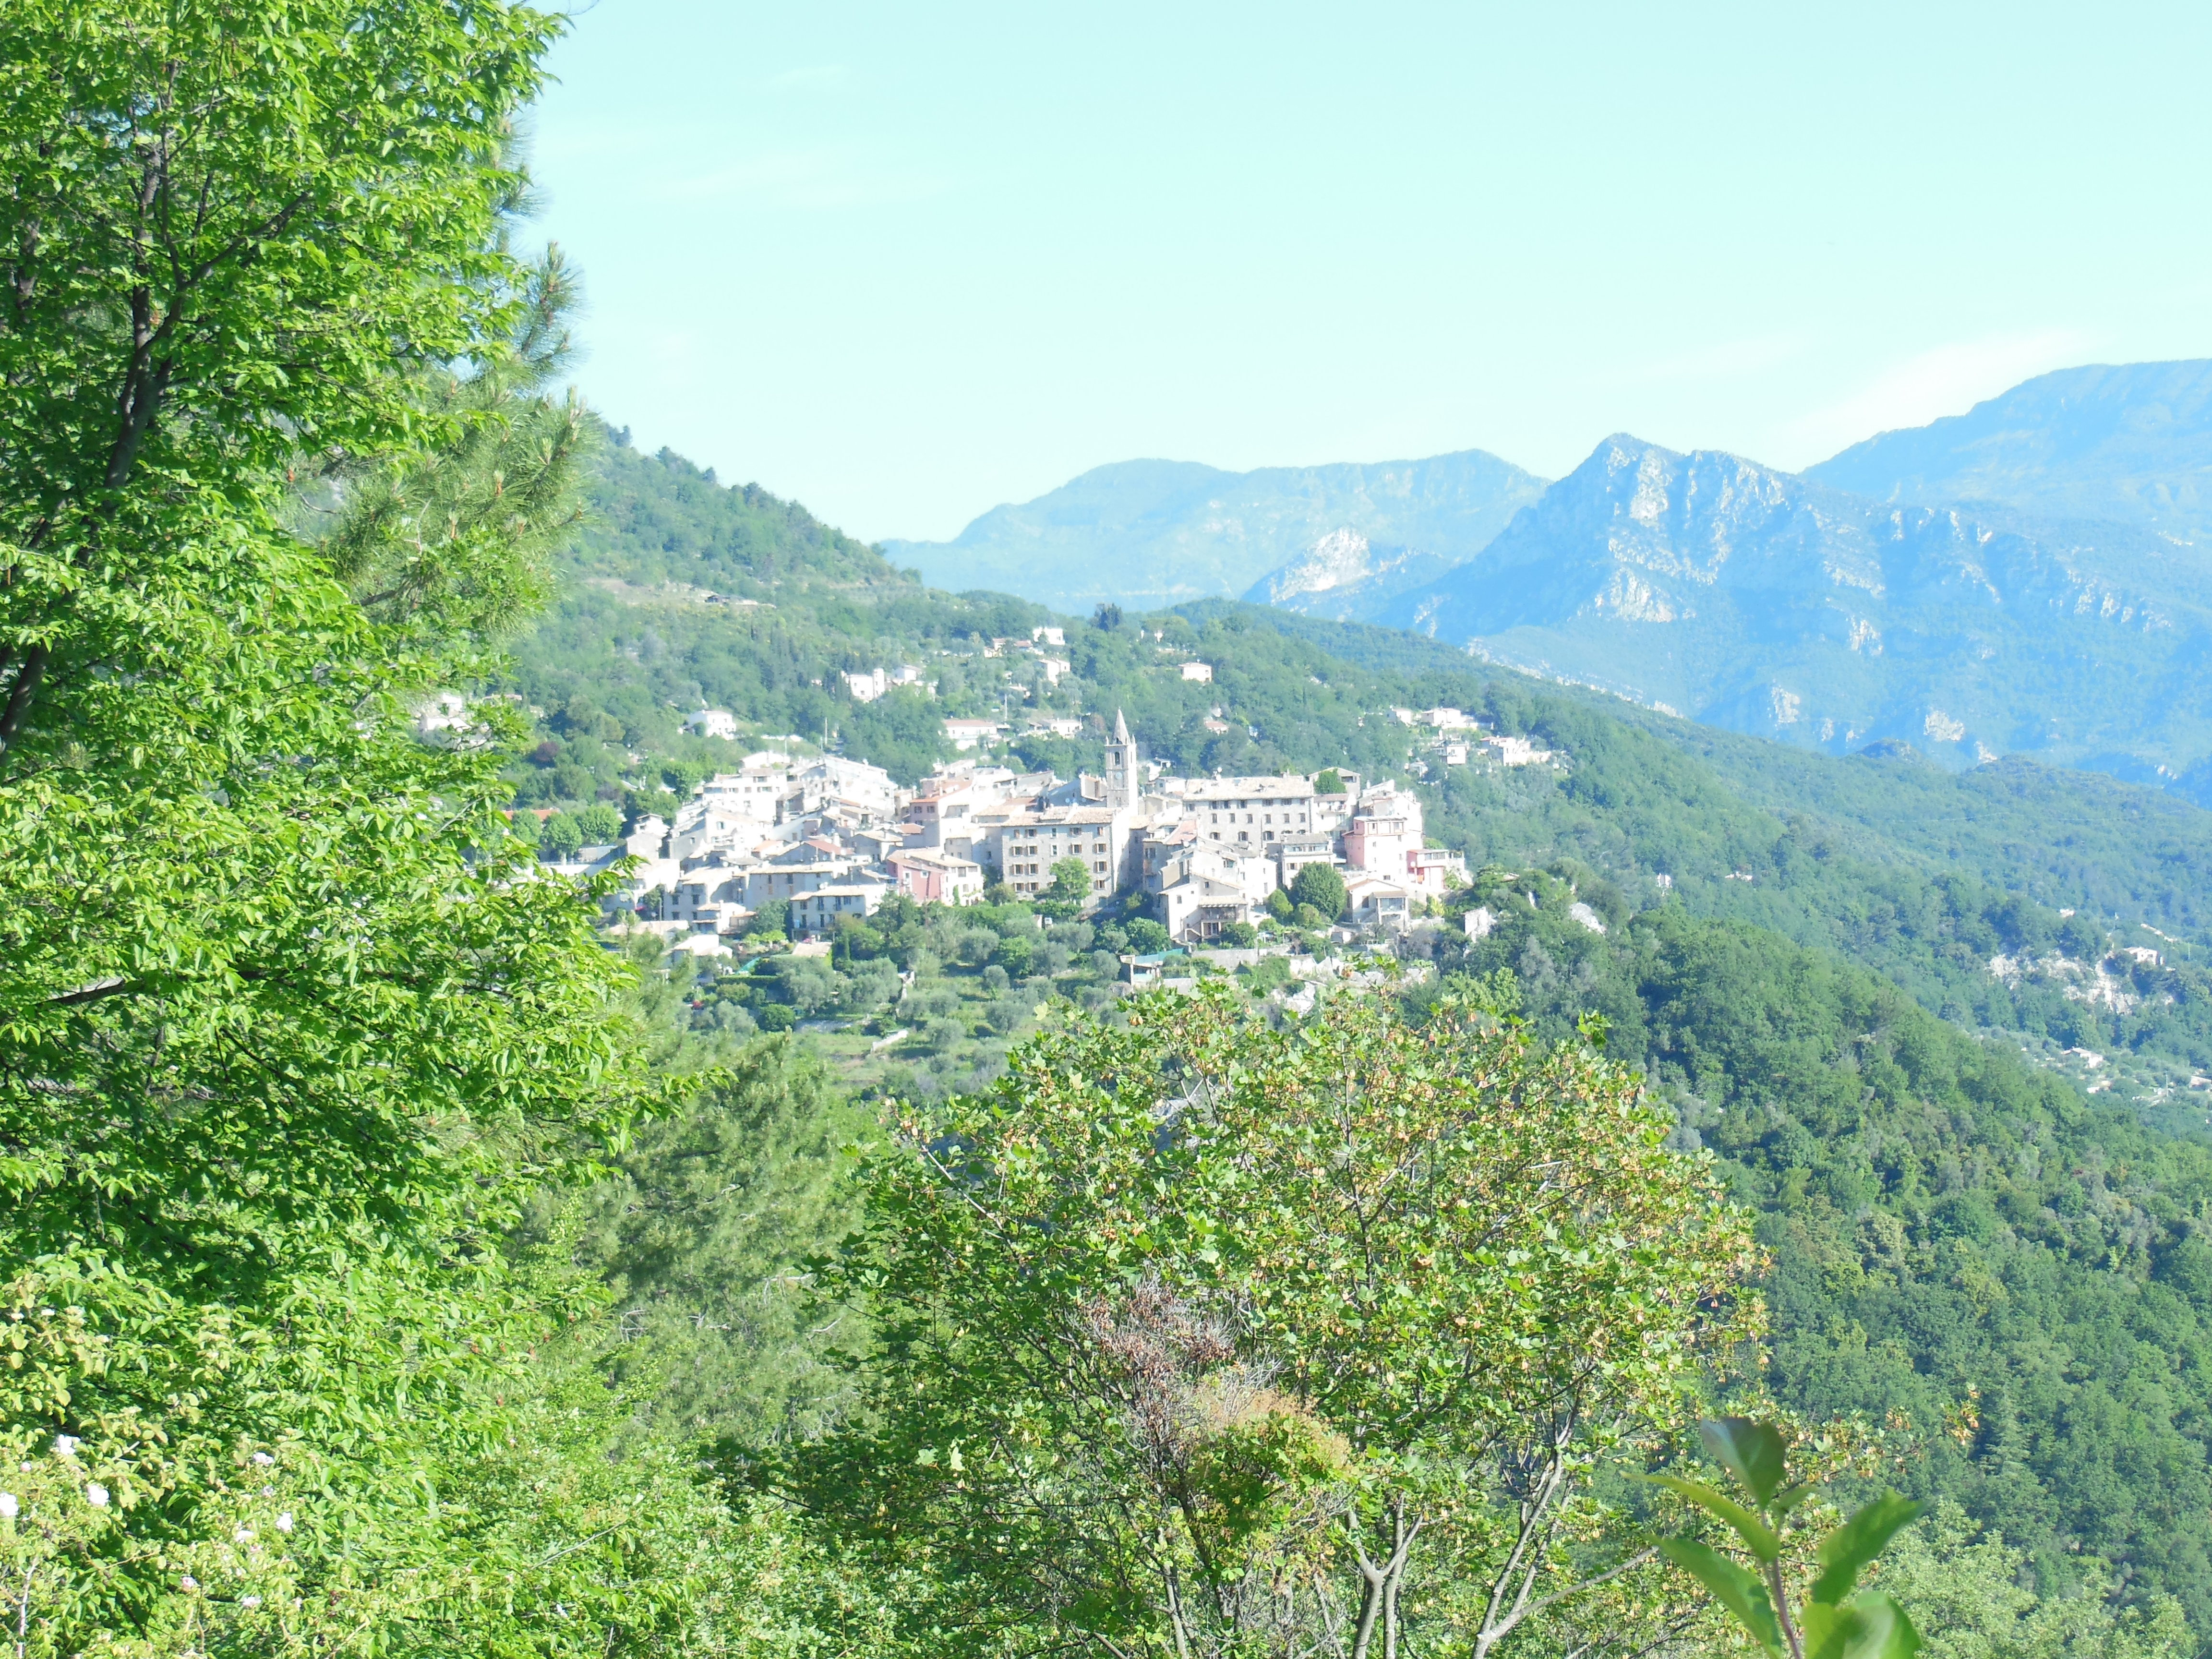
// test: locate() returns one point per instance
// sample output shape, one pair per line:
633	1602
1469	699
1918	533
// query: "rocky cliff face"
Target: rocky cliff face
1344	575
1714	586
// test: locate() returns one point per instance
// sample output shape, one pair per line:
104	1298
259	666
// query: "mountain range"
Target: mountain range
2024	578
2132	444
1150	534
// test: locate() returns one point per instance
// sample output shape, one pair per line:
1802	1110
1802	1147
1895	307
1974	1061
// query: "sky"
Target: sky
903	263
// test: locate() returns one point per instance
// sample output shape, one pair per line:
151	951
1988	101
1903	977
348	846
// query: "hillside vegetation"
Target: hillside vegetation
1962	1244
1964	1241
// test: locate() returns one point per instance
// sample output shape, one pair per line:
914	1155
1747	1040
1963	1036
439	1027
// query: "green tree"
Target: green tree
1146	937
1071	882
703	1234
1197	1335
810	984
561	835
869	985
1320	886
234	233
459	536
288	1034
601	824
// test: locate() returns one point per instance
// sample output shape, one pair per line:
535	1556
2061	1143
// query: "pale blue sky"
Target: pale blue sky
904	262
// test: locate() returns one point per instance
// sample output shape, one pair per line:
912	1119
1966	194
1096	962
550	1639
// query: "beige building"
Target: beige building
1021	848
1251	812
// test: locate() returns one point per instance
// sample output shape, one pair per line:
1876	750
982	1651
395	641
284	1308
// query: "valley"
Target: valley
1898	1001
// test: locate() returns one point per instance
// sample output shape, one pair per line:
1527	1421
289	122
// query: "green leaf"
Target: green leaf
1845	1552
1733	1587
1790	1497
1872	1626
1758	1537
1752	1452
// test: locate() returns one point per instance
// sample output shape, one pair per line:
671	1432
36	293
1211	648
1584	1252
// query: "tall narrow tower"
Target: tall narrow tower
1121	765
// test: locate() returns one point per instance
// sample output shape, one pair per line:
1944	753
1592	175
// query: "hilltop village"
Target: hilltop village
1208	859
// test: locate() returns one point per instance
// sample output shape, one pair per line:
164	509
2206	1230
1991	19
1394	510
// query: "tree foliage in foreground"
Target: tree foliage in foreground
288	1028
1959	1242
1204	1337
1835	1619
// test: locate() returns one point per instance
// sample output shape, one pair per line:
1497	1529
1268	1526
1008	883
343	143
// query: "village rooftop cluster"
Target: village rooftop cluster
828	837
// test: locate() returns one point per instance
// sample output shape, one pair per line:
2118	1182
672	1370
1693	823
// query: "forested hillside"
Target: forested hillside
1959	1242
1966	1243
679	590
1921	874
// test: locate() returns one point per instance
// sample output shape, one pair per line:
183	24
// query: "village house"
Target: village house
929	878
818	911
713	723
971	733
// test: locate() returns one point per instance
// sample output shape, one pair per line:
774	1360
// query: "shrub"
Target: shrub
1146	937
1322	887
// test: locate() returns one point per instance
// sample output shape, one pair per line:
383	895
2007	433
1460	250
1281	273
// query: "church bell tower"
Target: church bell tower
1120	766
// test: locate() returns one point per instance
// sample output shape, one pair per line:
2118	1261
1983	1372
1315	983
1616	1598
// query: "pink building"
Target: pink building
1380	843
930	878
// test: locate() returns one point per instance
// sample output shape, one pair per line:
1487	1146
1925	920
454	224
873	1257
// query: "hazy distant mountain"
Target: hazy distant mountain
1768	602
2131	443
1147	534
